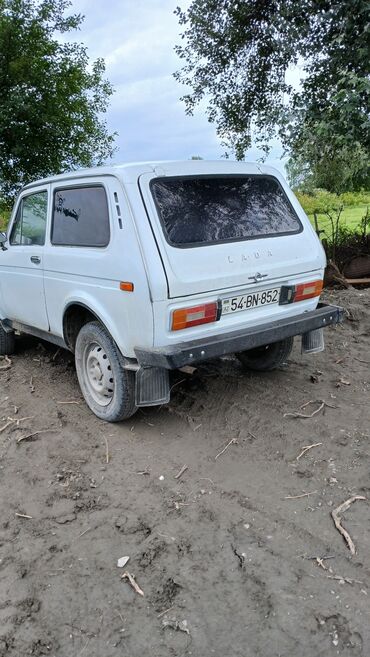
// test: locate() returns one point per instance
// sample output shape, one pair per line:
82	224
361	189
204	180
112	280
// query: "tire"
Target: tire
108	389
268	357
7	342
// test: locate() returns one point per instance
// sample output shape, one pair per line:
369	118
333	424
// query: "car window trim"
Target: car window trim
19	204
80	186
191	245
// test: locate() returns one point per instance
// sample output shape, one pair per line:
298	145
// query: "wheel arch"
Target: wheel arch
77	314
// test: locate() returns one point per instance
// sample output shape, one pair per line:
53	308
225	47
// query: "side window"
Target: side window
30	222
80	217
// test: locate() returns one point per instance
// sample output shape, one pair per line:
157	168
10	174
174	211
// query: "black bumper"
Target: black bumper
186	353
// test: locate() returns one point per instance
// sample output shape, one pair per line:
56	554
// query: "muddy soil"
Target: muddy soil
226	553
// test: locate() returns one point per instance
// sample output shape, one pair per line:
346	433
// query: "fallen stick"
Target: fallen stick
22	419
6	425
181	472
107	455
68	402
164	612
133	582
23	515
337	520
56	354
304	415
332	575
347	580
35	433
16	421
330	556
232	441
306	449
85	532
358	281
297	497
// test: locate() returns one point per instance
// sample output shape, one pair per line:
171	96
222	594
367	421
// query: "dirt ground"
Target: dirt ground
225	560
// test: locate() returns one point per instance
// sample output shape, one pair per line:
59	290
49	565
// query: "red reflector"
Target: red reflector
308	290
186	317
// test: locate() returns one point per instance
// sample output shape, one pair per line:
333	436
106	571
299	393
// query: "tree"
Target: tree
237	54
51	98
328	166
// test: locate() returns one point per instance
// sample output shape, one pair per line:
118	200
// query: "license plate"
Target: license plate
252	300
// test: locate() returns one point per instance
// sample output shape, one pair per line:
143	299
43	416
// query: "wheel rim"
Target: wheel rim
98	374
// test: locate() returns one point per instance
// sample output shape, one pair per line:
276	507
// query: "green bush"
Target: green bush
321	201
4	217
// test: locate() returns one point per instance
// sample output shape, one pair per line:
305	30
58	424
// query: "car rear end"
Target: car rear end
241	260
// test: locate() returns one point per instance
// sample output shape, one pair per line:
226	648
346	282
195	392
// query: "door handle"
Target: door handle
36	260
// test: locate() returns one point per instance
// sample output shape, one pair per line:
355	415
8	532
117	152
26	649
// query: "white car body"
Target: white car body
38	283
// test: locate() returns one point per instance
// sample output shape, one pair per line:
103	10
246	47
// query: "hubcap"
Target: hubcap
98	374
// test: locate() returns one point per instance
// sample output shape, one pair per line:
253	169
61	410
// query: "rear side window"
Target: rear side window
205	210
80	217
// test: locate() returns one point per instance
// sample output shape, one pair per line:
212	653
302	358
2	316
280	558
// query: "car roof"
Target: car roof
129	172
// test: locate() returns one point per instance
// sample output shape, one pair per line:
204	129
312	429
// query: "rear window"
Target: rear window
80	216
205	210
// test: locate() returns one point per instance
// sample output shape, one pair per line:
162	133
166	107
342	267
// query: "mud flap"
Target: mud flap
313	341
152	386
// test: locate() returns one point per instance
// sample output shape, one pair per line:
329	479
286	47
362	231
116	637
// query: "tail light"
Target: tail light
301	292
187	317
308	290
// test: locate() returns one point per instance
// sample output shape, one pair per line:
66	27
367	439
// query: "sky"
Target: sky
136	38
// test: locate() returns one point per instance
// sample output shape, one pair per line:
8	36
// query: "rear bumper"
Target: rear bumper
185	353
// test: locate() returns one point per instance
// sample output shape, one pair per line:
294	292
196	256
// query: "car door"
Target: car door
21	263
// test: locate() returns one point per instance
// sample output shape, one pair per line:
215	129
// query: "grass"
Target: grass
350	217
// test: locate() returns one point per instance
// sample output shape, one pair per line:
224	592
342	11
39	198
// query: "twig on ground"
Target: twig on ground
343	382
17	421
306	449
68	402
315	557
233	441
177	384
347	580
56	354
8	364
181	472
314	401
7	425
35	433
332	575
85	532
133	582
23	515
367	362
296	497
164	612
107	455
337	520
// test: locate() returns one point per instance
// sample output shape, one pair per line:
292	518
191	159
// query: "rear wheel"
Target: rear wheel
268	357
7	342
108	389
